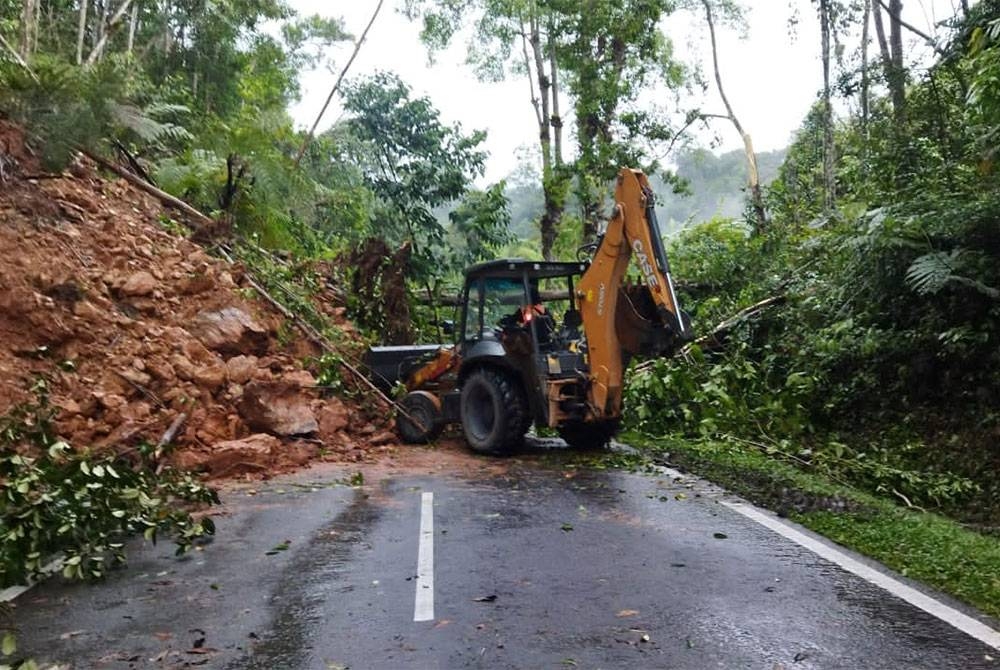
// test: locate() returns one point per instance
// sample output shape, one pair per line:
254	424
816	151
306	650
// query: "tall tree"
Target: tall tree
513	37
612	50
826	20
756	198
891	49
412	162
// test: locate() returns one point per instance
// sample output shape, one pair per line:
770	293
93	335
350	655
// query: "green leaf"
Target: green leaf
9	645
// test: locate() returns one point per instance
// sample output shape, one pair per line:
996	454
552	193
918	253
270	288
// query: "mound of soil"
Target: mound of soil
133	325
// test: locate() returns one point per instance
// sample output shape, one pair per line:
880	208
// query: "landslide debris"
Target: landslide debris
134	325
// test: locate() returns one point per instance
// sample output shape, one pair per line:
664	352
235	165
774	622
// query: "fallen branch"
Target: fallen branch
20	61
162	196
133	162
141	389
171	433
716	338
336	86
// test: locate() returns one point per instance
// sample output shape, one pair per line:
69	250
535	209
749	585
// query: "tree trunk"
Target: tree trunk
27	17
81	31
557	123
865	81
829	176
549	223
100	20
115	21
132	24
892	56
753	179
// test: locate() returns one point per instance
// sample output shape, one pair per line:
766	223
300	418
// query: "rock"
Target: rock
258	443
299	378
136	411
211	377
110	400
182	367
197	283
232	457
68	406
88	311
139	284
277	408
135	376
241	368
333	417
230	331
379	439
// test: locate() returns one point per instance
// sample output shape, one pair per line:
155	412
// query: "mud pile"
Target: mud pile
133	325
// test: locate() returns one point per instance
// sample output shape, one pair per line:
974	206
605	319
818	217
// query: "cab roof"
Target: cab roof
515	268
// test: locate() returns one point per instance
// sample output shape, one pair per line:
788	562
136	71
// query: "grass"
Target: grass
921	545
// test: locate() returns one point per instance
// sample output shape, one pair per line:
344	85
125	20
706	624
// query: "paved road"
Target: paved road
534	566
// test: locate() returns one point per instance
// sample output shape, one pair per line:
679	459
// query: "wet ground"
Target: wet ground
537	564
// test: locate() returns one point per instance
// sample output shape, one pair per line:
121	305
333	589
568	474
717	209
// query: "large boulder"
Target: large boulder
230	331
253	454
278	408
334	416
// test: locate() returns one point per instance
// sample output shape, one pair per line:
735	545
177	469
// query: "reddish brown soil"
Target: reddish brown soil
98	296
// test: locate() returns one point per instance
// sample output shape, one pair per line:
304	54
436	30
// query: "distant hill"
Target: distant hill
715	187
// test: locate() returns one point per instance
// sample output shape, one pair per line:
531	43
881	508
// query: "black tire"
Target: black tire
494	412
423	410
588	436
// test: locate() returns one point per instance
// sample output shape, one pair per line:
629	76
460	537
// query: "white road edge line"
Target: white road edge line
949	615
423	608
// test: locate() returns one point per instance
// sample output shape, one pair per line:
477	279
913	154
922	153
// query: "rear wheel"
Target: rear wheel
424	422
494	412
588	436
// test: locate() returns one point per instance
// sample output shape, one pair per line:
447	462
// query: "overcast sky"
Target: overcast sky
771	76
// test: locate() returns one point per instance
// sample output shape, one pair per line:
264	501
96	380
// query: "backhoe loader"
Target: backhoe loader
513	364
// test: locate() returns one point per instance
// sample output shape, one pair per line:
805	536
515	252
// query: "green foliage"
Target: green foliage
81	507
480	226
329	373
413	163
880	368
69	108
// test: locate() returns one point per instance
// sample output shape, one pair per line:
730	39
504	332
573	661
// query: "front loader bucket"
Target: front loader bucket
389	365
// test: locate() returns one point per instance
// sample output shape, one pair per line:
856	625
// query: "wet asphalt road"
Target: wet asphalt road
589	569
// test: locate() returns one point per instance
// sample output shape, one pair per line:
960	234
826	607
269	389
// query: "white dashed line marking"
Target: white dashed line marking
423	609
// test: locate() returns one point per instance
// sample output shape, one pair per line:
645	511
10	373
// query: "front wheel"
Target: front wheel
588	436
494	412
422	421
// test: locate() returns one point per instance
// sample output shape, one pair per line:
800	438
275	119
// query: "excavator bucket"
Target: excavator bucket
641	327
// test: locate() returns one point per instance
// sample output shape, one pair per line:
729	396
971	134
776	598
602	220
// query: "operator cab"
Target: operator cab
527	306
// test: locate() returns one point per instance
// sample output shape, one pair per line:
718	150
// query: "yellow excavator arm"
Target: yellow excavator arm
617	322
